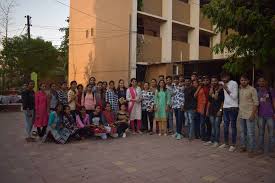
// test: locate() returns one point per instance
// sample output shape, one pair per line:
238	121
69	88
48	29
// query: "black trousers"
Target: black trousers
121	128
41	132
145	116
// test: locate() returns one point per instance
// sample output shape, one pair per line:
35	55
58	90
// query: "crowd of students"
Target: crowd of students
199	105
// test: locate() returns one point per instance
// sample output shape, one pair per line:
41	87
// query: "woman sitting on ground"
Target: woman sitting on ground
69	123
122	120
83	123
54	128
109	120
97	124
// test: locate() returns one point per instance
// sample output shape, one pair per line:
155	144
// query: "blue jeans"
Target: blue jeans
170	120
29	118
262	123
190	121
248	134
230	117
179	120
215	132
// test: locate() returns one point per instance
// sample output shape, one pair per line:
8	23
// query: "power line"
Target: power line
22	30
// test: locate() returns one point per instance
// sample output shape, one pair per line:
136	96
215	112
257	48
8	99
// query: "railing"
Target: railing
205	53
153	7
180	51
205	22
181	11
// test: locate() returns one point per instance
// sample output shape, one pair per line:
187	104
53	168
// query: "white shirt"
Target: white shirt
232	99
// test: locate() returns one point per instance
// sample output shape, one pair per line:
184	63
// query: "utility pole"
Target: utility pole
29	26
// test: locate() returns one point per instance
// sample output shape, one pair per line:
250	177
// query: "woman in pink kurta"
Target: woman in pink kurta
41	112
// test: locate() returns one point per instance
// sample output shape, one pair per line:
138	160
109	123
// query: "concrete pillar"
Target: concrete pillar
193	35
133	40
166	31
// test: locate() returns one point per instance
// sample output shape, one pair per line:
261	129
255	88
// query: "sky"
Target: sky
47	17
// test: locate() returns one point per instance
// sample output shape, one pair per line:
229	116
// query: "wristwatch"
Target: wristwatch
220	110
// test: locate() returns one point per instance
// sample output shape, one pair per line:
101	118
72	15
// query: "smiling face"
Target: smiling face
153	83
121	84
43	87
53	87
244	82
67	110
146	86
98	109
161	84
83	111
134	82
108	107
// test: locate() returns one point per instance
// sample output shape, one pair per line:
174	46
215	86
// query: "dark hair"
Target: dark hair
154	80
132	79
58	104
181	75
30	81
176	77
62	83
99	82
194	73
215	77
80	85
66	106
92	78
189	78
244	76
41	85
111	82
73	82
164	87
205	77
121	104
104	82
161	75
82	107
51	84
225	74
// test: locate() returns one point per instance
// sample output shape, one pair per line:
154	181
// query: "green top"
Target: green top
162	100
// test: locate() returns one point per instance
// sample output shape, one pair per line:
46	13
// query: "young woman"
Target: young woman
109	120
83	123
133	96
69	123
88	99
97	124
122	121
41	110
121	91
53	97
112	97
147	106
201	106
55	128
162	102
72	98
80	90
99	95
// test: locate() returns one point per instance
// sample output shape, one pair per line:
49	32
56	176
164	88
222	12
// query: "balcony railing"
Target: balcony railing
181	11
205	22
148	48
180	51
205	53
153	7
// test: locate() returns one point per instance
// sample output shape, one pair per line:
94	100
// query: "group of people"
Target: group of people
199	105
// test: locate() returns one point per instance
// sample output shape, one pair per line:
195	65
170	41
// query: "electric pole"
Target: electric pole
29	26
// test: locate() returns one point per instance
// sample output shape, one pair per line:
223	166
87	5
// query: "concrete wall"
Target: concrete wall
205	22
153	7
181	11
180	51
205	53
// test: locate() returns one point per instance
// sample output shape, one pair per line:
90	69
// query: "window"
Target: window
204	40
175	69
87	33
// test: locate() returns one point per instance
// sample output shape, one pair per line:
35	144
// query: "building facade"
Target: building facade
121	39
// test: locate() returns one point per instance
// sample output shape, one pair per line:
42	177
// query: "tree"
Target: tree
253	21
21	56
64	50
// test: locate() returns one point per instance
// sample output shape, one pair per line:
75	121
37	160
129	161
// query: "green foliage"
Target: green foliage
64	50
21	56
254	24
140	5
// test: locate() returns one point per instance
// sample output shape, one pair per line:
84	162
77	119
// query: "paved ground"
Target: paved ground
140	158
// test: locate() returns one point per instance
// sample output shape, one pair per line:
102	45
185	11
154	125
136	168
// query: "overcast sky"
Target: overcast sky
47	17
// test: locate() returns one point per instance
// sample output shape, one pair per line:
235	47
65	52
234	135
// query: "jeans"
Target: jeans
215	132
29	118
230	116
190	121
145	116
248	134
262	123
170	120
179	120
199	118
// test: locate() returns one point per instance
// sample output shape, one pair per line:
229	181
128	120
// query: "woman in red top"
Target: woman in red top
109	120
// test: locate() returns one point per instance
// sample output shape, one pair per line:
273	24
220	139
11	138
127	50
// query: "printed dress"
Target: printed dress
162	99
134	107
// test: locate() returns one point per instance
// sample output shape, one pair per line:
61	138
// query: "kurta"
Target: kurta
162	100
41	112
134	107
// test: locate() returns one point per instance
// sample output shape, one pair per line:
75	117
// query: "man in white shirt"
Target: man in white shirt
230	108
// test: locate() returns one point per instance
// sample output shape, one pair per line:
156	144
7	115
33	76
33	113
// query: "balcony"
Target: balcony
181	11
205	53
148	48
180	51
153	7
205	22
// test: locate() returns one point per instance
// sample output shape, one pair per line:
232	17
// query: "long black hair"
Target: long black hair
164	87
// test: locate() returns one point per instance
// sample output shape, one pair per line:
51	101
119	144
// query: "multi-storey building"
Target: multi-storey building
140	38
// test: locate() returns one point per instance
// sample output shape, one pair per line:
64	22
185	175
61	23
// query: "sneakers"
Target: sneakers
216	144
223	146
124	135
175	135
232	148
208	143
179	137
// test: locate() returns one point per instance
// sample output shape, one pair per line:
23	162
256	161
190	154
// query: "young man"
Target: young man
190	105
230	108
247	114
215	105
161	77
206	127
177	105
170	89
62	94
266	115
28	108
72	98
194	76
